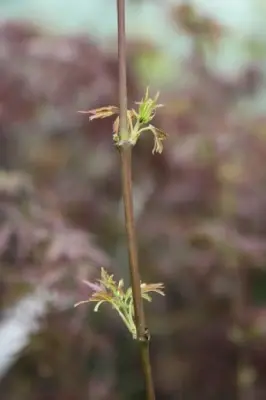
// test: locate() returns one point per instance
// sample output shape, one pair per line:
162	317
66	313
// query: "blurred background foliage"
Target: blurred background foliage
200	206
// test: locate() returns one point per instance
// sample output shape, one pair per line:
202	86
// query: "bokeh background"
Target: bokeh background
200	206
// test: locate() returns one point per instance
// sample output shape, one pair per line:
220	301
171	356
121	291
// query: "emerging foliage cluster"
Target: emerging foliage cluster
107	290
138	121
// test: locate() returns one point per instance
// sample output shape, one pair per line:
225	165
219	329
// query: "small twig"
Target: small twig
126	166
122	71
128	126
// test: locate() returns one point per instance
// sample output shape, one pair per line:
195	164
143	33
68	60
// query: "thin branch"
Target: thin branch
126	164
122	70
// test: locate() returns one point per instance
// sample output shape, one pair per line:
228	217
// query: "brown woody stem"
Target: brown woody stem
126	166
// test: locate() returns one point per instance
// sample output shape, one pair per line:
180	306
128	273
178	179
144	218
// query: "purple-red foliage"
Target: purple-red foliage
201	220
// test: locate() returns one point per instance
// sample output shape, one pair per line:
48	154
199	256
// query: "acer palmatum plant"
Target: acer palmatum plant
128	127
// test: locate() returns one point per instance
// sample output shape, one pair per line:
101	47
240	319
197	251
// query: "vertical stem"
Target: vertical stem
126	166
122	70
145	355
131	240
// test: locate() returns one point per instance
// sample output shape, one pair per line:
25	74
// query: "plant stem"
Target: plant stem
122	71
126	166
